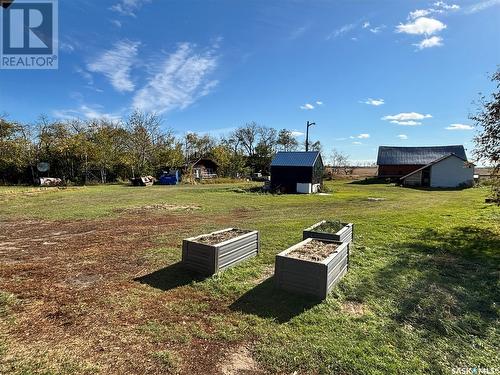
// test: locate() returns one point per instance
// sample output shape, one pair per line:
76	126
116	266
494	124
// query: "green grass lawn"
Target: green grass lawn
421	295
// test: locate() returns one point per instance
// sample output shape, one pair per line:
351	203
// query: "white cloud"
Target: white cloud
319	102
128	7
433	41
341	31
405	116
366	24
443	5
116	64
421	26
375	102
116	23
181	78
459	127
85	112
377	29
402	136
419	13
482	5
440	7
363	136
406	123
307	106
357	143
86	75
66	47
296	133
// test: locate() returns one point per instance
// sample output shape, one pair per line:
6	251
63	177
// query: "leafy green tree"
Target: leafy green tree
143	134
286	141
487	141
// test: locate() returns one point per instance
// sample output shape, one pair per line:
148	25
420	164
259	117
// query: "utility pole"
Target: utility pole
307	134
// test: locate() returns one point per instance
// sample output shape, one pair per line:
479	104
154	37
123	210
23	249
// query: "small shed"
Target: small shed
204	168
449	171
297	172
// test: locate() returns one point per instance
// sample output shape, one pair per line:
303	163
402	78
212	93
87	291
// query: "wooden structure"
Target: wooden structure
203	168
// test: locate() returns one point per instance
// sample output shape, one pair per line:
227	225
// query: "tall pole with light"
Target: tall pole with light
307	134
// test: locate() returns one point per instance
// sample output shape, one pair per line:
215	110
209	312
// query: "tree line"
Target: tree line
104	150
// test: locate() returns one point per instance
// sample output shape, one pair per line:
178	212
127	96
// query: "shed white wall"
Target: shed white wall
451	172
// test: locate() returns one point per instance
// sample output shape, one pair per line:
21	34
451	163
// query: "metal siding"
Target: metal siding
337	267
308	277
199	257
342	236
451	172
209	259
237	251
299	276
288	177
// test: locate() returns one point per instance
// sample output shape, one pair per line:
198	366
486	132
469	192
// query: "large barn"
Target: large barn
396	162
297	172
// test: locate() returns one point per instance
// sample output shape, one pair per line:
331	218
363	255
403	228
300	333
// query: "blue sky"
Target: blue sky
369	73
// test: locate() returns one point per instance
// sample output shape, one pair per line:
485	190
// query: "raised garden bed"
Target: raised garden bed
216	251
330	230
312	266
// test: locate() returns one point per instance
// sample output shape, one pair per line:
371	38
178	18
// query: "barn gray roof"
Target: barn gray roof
295	159
389	155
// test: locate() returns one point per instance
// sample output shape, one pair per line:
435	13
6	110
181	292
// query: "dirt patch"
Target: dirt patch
74	281
314	250
215	238
371	199
353	308
239	361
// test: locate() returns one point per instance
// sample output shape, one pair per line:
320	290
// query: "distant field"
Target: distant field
90	283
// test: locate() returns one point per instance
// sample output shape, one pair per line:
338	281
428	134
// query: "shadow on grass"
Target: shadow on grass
170	277
444	283
428	188
267	301
371	181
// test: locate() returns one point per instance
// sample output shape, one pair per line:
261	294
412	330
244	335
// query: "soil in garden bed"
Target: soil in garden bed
215	238
314	250
329	227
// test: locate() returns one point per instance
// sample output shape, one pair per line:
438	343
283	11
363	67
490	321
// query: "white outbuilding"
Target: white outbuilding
449	171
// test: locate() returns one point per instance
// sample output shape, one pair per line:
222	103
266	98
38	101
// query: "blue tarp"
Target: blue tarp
169	178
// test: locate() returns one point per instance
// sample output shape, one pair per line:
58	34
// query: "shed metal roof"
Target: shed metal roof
389	155
295	159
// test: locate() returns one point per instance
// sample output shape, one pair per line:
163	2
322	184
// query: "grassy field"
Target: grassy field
90	283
